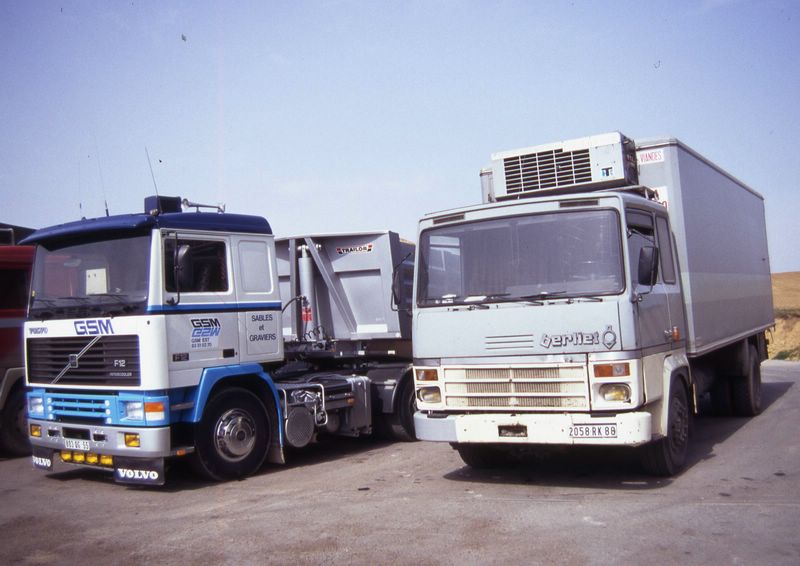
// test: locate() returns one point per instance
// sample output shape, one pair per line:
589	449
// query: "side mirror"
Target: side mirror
184	267
648	266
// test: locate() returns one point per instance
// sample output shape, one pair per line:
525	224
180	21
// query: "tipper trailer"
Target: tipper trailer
602	288
174	334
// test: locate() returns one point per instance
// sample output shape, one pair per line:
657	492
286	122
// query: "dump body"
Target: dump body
350	295
721	239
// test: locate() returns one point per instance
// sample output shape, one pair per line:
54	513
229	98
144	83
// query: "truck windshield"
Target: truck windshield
542	256
105	278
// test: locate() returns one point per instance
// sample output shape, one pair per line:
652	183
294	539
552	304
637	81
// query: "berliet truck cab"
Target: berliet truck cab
163	334
597	293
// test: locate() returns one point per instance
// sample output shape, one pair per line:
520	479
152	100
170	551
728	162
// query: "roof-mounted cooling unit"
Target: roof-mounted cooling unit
594	162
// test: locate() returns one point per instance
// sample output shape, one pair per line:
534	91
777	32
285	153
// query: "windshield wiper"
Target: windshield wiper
542	296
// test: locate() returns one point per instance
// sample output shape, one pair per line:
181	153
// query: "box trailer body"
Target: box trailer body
160	335
721	241
593	298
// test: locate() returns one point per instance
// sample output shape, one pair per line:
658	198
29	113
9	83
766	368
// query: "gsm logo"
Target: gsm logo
93	327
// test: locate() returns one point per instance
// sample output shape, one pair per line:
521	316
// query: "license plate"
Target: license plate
73	444
593	431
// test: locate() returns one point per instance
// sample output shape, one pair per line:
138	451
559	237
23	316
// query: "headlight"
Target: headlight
133	410
615	392
36	406
430	395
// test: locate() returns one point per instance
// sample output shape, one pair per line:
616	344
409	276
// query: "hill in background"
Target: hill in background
785	340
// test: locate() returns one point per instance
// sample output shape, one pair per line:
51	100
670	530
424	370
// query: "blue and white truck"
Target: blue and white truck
602	289
173	333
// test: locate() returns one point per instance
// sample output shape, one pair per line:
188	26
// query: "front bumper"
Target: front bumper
622	429
102	439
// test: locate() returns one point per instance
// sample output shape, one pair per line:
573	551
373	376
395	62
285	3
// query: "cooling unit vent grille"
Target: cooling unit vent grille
547	170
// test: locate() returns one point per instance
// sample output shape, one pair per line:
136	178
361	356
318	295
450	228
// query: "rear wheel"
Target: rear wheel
667	456
233	436
483	456
746	390
14	431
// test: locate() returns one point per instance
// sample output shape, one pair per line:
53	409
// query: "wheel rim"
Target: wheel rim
235	435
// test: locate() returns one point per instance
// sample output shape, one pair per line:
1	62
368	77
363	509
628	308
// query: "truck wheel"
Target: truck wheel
667	456
721	402
747	389
482	456
401	421
233	436
14	430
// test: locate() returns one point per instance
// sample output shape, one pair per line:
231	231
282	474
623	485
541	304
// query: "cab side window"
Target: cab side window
202	266
665	250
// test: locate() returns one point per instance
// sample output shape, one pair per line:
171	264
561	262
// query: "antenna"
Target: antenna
147	153
102	184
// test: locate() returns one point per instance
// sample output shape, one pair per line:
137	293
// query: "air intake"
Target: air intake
595	162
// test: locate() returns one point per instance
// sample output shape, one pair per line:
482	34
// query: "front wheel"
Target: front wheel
233	436
14	430
667	456
401	421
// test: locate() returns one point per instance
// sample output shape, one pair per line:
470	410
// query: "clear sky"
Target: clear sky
336	116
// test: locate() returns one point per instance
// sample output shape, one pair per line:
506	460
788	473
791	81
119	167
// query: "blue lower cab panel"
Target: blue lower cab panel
150	408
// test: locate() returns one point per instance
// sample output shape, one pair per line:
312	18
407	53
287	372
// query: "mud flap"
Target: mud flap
42	458
139	471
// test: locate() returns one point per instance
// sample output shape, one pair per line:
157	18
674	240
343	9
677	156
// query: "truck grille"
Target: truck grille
84	360
547	170
548	388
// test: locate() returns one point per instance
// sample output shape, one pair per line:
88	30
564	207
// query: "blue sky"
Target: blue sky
345	116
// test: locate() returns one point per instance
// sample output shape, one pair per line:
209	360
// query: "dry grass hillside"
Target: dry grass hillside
785	340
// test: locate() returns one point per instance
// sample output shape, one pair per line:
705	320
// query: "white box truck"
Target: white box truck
602	288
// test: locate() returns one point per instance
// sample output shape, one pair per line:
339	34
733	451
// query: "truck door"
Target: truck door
258	298
669	276
652	306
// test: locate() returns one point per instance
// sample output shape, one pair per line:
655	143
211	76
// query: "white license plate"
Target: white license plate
73	444
593	431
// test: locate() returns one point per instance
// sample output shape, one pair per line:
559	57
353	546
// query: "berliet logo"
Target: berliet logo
607	339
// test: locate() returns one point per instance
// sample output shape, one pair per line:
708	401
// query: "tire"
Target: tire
401	421
14	428
746	390
483	456
721	400
667	456
233	436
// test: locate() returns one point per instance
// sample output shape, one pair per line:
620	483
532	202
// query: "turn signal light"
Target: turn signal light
621	369
427	374
154	411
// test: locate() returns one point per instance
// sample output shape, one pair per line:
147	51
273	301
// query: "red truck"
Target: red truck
15	271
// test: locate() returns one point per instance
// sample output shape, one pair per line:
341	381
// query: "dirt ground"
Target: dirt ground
785	340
